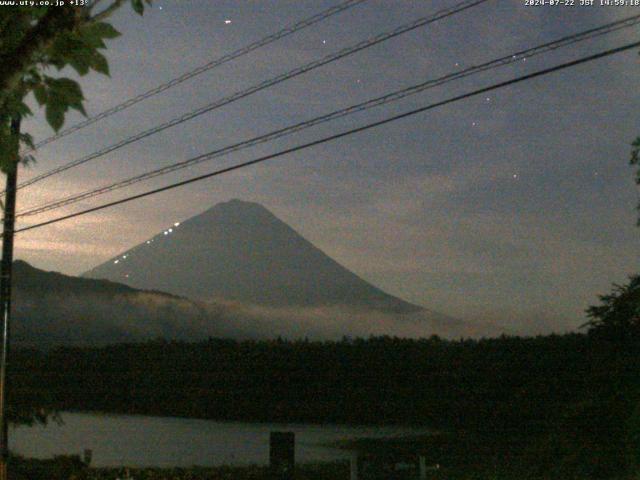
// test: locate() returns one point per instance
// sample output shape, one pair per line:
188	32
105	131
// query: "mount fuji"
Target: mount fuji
239	251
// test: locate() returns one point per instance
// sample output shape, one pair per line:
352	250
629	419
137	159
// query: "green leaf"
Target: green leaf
62	94
635	152
94	34
138	6
79	50
79	107
70	94
40	92
54	113
28	160
100	64
80	62
27	139
104	30
15	106
60	47
92	40
64	90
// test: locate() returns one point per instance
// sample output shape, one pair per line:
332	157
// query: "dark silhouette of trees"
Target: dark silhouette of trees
618	315
635	161
561	403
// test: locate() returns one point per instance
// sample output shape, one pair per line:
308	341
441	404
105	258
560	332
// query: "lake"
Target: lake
142	441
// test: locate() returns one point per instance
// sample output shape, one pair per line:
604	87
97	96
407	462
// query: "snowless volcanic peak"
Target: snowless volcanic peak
52	309
240	251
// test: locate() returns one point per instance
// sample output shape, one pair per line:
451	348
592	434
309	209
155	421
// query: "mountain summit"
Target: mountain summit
239	251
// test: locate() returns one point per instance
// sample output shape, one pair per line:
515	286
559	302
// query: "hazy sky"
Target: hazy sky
518	208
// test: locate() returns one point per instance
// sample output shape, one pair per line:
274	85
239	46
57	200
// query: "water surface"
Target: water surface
139	441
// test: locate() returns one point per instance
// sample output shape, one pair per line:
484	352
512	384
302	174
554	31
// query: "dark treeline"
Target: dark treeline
562	392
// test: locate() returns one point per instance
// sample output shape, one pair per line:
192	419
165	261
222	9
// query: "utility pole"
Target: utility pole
6	266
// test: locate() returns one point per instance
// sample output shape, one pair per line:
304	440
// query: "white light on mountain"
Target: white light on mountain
177	224
286	282
170	230
116	261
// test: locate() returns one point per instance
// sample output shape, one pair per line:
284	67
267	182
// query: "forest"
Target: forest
558	405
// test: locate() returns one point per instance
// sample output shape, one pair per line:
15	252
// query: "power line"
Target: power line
390	97
289	30
568	40
345	133
442	14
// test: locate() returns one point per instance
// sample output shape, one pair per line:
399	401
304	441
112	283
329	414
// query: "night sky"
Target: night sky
516	207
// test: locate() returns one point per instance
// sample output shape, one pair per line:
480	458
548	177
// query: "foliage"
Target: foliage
57	468
324	471
72	468
34	39
618	315
635	161
633	438
555	405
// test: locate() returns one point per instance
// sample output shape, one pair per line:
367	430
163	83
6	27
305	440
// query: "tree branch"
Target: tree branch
107	11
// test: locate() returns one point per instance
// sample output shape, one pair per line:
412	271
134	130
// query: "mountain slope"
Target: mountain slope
50	309
53	309
239	251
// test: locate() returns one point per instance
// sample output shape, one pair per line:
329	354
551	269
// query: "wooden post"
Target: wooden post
354	466
6	264
423	467
282	459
